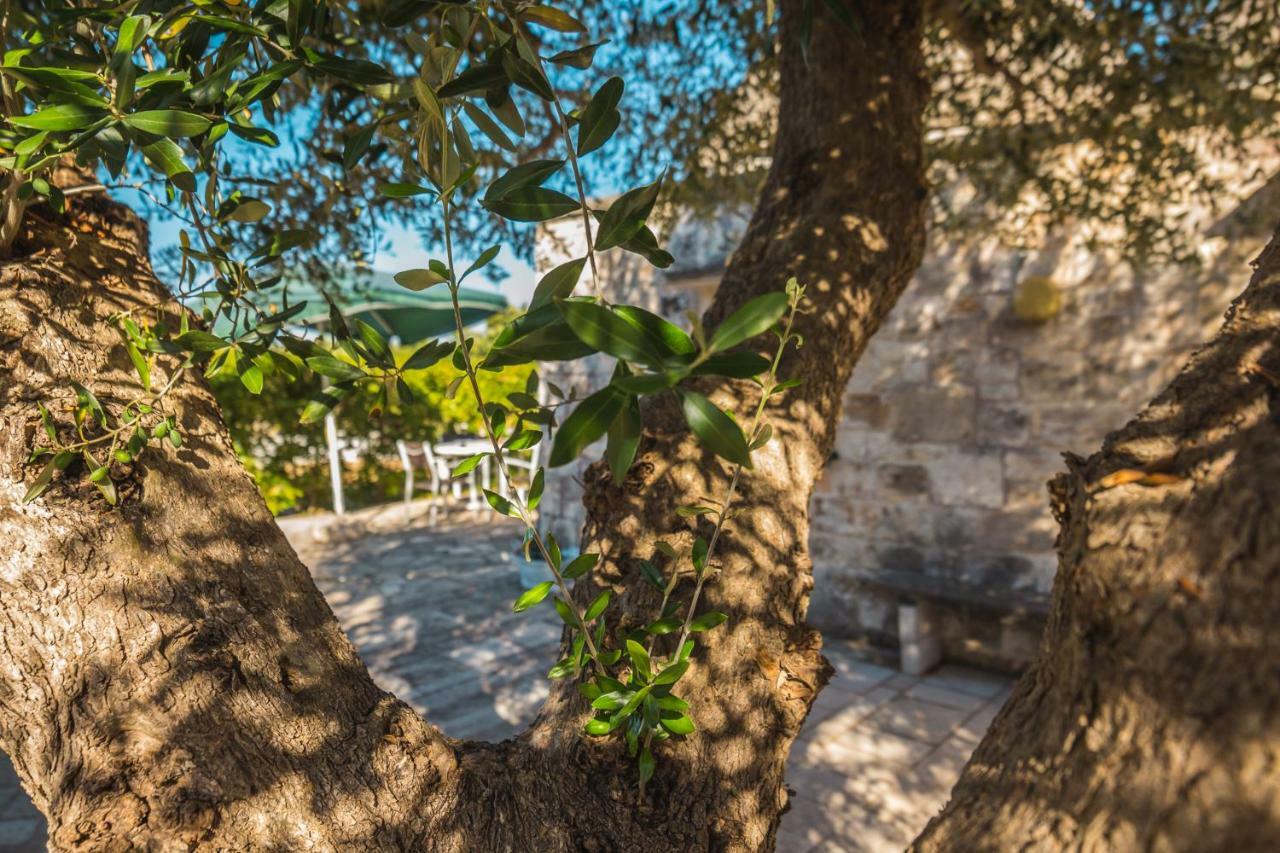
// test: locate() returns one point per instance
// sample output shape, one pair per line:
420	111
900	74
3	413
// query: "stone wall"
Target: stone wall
993	364
958	414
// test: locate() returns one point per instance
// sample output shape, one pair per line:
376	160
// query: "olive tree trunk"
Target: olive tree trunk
1151	718
171	678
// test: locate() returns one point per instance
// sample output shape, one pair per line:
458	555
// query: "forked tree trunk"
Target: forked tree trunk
171	677
1151	718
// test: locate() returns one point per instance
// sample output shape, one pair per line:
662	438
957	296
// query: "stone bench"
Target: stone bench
919	598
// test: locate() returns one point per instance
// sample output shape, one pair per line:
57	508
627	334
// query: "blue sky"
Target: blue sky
406	251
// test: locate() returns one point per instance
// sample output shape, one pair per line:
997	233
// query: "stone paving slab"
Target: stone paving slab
428	606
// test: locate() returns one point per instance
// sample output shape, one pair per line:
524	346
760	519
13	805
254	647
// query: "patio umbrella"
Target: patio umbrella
402	315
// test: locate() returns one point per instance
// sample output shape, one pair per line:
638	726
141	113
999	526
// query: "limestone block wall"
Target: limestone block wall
958	413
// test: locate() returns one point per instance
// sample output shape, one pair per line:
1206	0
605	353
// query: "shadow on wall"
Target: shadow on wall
957	415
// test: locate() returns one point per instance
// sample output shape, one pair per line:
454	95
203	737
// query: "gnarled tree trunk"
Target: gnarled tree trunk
1151	718
172	678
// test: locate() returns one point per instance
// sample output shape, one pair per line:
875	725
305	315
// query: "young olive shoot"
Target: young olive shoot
157	88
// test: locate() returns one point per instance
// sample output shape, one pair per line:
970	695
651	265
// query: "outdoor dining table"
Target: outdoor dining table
460	448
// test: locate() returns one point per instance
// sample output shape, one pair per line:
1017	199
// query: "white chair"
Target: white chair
419	455
529	464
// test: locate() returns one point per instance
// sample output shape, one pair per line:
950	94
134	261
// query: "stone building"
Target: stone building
994	363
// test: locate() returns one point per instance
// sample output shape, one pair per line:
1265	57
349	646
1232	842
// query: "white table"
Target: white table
460	448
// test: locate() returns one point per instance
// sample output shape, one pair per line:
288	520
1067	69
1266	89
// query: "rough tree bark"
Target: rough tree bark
171	678
1151	718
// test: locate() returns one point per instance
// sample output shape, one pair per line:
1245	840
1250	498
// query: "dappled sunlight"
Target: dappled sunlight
428	606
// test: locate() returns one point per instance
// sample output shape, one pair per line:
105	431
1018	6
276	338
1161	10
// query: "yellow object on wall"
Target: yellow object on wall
1037	299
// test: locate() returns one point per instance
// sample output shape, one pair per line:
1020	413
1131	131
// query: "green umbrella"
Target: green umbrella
375	298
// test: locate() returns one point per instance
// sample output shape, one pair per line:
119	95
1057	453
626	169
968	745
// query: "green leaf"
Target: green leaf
488	126
535	488
786	385
668	625
762	438
562	669
132	32
327	365
737	365
557	284
679	725
480	77
166	156
361	72
532	596
466	466
598	727
706	622
639	659
578	57
551	342
321	403
672	673
598	606
699	554
58	463
627	215
486	257
666	337
585	424
283	241
624	439
672	703
716	430
251	378
107	490
523	440
580	565
501	504
213	86
427	355
249	210
375	344
652	575
403	190
60	117
756	317
31	143
526	75
647	383
256	135
200	342
566	613
355	145
531	204
81	86
532	174
47	420
552	18
140	364
645	244
604	330
169	123
645	765
600	118
417	280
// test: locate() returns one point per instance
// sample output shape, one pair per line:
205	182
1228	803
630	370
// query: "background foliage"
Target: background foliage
288	458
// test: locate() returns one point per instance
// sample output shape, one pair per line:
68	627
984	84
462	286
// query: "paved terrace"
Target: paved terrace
428	605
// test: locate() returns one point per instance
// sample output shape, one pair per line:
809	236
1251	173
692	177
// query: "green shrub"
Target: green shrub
288	459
